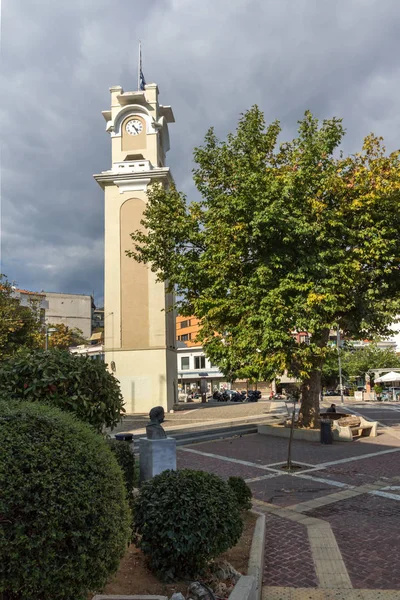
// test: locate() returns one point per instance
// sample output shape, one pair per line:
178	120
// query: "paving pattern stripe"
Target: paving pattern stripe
373	488
270	467
304	475
262	477
227	459
322	480
324	500
351	459
386	495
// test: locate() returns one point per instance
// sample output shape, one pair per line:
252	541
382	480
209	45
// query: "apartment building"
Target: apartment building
194	366
187	329
35	300
73	310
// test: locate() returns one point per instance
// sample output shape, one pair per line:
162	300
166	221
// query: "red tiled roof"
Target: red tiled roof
28	292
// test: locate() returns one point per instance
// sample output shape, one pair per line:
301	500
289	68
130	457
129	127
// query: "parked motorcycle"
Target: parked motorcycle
253	395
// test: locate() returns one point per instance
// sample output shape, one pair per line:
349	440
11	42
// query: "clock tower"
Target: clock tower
139	330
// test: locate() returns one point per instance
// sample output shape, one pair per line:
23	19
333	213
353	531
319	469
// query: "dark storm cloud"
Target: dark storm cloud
212	61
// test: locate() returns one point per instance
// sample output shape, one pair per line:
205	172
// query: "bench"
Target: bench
348	427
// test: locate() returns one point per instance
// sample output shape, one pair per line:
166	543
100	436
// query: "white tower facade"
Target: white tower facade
139	330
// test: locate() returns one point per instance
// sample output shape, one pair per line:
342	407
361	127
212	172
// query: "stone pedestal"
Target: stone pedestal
156	456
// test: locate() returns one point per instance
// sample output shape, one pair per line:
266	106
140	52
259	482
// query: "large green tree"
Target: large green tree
285	238
20	326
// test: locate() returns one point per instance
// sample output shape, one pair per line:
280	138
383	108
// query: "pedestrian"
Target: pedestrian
332	408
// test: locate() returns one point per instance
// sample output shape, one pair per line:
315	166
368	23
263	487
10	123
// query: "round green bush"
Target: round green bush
65	522
242	492
126	460
71	382
183	519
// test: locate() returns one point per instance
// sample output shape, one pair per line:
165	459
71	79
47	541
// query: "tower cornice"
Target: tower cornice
162	174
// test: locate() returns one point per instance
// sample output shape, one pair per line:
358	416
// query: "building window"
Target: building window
185	337
304	339
185	363
185	323
199	362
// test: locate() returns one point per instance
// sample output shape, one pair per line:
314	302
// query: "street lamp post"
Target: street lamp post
47	331
340	367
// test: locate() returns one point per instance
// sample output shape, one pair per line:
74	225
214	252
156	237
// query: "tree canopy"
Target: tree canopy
64	337
20	326
356	362
286	237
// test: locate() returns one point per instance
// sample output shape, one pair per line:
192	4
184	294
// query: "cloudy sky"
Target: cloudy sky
212	59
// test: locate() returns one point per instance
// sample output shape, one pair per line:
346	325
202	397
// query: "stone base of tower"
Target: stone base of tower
147	378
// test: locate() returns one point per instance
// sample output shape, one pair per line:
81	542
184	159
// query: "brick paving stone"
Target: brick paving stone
288	559
357	472
367	532
285	490
265	450
189	460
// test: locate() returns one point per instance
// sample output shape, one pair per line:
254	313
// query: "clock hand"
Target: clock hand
137	130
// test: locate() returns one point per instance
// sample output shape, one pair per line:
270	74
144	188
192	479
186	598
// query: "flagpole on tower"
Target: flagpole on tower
139	65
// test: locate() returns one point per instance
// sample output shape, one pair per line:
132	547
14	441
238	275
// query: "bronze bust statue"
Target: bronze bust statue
154	431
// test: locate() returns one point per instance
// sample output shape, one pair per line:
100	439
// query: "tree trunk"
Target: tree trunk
310	395
311	389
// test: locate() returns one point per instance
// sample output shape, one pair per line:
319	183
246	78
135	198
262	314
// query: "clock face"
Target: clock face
134	127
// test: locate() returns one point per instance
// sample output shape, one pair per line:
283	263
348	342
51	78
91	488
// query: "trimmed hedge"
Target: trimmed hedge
71	382
65	518
126	460
242	492
183	519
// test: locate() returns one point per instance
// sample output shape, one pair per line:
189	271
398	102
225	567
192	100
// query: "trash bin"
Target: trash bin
124	437
326	431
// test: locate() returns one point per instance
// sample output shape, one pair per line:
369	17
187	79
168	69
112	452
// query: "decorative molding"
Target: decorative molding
132	185
125	179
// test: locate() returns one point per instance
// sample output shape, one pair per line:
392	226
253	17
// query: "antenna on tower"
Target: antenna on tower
141	79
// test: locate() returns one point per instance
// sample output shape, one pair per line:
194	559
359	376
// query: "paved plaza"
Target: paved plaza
333	527
193	414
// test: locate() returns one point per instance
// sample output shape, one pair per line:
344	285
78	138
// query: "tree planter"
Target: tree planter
308	435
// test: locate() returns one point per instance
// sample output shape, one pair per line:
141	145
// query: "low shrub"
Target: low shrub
71	382
242	492
126	460
65	522
183	519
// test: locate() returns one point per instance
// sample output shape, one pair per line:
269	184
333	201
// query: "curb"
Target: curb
257	552
249	587
122	597
245	589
